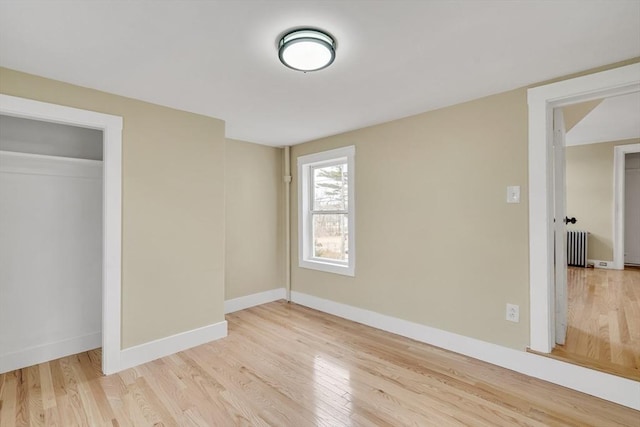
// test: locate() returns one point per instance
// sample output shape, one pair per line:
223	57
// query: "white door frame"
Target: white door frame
542	100
111	127
618	201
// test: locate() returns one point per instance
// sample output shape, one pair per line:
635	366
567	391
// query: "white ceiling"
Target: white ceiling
614	119
394	58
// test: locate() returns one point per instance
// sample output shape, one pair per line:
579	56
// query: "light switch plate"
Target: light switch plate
513	194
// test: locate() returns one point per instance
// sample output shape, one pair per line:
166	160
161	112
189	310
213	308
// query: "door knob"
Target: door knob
571	220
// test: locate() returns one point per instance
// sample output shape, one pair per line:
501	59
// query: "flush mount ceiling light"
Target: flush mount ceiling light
307	50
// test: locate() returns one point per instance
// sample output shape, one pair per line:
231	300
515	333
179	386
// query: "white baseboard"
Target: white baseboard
610	387
598	263
143	353
46	352
252	300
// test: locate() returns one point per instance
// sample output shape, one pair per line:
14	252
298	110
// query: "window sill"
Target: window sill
327	267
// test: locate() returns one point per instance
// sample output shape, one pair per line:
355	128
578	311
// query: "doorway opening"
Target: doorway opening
632	209
596	306
543	101
50	240
111	128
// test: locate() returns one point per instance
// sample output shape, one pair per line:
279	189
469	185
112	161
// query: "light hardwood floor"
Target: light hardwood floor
603	323
287	365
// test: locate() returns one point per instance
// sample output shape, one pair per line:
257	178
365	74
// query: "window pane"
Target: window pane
330	188
330	236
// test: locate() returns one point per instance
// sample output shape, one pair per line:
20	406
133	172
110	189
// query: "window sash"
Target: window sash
312	182
345	212
314	236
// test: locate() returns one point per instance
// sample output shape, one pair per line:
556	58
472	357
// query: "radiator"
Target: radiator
577	248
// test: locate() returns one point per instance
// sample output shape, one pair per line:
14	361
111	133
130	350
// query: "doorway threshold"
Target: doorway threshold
559	353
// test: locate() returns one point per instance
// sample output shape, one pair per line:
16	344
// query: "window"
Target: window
326	211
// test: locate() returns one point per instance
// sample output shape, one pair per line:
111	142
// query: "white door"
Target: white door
632	210
560	207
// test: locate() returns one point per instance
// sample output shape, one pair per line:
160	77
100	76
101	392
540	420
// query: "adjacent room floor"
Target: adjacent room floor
287	365
603	322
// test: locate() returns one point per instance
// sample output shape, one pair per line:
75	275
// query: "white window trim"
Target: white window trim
305	164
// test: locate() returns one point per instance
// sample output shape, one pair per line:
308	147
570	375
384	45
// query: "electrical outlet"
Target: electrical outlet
513	313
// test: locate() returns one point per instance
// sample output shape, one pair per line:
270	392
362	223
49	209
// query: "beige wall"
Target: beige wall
254	228
437	244
173	208
590	194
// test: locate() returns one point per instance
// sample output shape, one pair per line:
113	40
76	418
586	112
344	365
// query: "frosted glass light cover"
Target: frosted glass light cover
307	50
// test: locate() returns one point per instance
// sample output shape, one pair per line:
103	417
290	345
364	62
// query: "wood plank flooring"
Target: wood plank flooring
603	321
287	365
